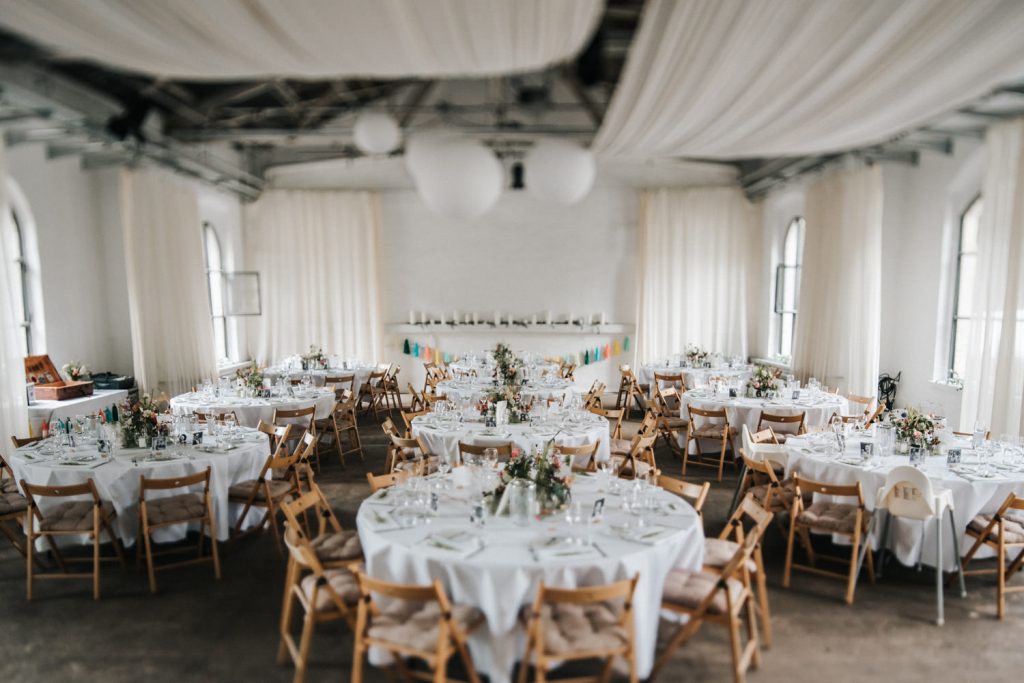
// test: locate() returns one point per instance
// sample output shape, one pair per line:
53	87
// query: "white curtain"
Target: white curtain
747	78
13	414
995	361
838	321
316	252
238	39
695	260
168	298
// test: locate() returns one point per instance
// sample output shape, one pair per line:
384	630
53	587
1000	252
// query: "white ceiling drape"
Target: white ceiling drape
239	39
741	78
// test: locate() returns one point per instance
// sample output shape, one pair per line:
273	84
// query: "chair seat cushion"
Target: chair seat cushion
1013	527
621	446
675	423
837	517
179	508
416	624
9	486
688	589
718	552
337	546
12	503
620	463
786	487
72	515
572	628
712	431
342	581
242	490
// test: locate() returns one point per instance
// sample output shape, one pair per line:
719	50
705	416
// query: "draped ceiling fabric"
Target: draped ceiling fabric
838	329
316	252
695	256
995	362
168	302
240	39
740	78
13	413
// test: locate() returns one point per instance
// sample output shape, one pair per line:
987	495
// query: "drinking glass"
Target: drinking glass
978	437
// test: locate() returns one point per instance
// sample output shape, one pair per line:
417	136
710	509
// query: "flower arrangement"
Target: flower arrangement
139	422
915	427
507	364
76	371
696	355
541	468
314	358
518	409
764	379
251	377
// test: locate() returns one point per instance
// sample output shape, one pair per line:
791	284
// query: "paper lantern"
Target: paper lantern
416	349
455	177
376	133
405	348
559	171
625	344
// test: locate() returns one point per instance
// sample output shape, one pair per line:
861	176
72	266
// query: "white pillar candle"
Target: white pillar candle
547	317
476	319
497	318
455	316
412	317
442	319
469	318
423	317
533	320
571	317
604	318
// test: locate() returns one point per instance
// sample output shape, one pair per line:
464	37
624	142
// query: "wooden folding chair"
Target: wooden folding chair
384	481
343	421
338	382
91	518
756	447
614	417
402	450
13	506
697	494
275	433
640	458
667	405
761	481
1002	532
608	613
669	380
333	545
408	417
718	551
567	371
630	393
723	598
417	622
183	508
268	491
863	403
392	389
21	443
305	419
202	416
582	458
372	393
504	449
323	593
592	399
416	402
877	415
782	425
830	518
717	431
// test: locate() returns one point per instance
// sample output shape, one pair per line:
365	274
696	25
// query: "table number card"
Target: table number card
732	393
197	438
867	449
953	456
598	508
160	443
796	394
433	502
103	446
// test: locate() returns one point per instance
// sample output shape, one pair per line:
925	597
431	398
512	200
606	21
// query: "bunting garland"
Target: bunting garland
587	356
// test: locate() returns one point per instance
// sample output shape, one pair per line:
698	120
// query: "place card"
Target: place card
733	393
598	508
954	456
867	449
197	438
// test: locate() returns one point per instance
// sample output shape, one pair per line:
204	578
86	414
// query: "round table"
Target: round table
117	478
360	370
817	407
505	564
692	377
442	440
251	410
545	389
812	456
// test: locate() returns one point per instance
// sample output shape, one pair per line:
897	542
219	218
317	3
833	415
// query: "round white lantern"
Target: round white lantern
376	133
455	177
422	147
559	171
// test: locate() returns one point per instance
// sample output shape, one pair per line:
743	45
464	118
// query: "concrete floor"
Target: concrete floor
199	629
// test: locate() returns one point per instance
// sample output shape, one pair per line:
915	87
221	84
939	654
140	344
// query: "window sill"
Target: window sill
232	368
946	386
771	363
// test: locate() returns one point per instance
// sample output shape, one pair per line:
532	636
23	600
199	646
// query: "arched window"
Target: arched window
963	293
215	282
787	286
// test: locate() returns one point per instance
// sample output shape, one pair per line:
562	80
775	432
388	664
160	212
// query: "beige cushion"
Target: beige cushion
572	628
718	552
415	624
642	466
621	446
12	503
1013	527
342	581
688	589
712	431
9	486
72	516
177	508
839	517
242	490
760	492
334	547
677	423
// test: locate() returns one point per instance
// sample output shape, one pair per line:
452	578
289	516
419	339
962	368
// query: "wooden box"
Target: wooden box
41	371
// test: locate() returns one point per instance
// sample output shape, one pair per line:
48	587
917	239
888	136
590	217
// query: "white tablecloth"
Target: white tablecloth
466	389
117	480
251	410
61	410
910	540
503	578
693	377
360	370
443	441
817	407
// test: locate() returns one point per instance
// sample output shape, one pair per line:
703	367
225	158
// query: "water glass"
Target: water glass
978	437
522	496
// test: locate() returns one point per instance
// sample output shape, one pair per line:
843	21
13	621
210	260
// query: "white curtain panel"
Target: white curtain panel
838	324
743	78
316	252
226	39
995	361
695	259
168	298
13	415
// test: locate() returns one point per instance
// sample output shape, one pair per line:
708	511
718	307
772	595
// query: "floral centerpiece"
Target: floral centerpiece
763	380
251	377
506	365
139	422
541	468
314	358
914	428
696	356
76	371
518	409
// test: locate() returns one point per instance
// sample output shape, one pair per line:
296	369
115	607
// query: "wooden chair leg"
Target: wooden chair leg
96	560
149	561
287	605
678	640
211	516
762	600
789	552
851	579
30	545
721	459
357	663
736	648
308	625
1001	581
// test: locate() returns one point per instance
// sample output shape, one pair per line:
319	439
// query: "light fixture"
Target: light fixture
559	171
376	133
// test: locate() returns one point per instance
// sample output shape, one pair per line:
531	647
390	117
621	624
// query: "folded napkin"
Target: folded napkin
455	541
380	520
649	535
562	549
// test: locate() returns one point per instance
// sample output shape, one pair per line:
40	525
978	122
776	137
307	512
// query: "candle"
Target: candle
423	317
455	317
469	318
412	317
571	317
442	319
547	317
497	318
533	320
603	318
475	319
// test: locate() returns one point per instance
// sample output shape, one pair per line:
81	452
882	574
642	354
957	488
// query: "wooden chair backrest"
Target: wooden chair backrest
21	443
203	415
383	481
804	485
294	414
751	510
163	484
589	451
784	420
504	449
760	470
310	500
696	493
389	427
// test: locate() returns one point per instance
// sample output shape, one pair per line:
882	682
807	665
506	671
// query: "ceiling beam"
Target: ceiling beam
412	104
595	111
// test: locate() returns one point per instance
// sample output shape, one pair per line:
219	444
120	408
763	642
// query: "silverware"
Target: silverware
598	549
